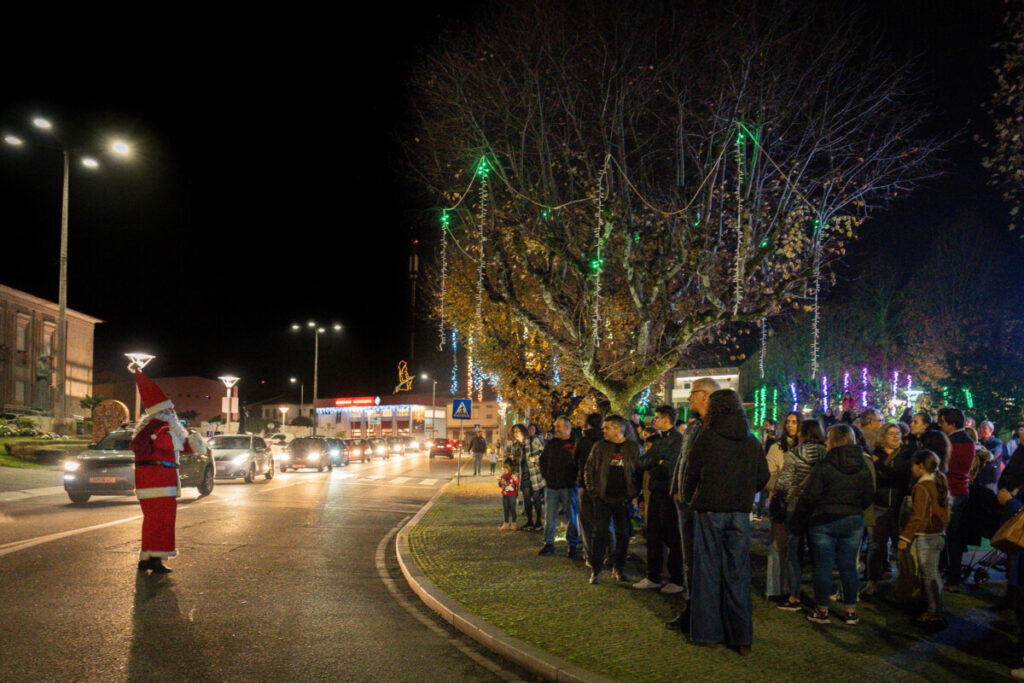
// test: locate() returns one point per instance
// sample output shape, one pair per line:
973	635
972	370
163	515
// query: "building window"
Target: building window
49	330
21	333
19	391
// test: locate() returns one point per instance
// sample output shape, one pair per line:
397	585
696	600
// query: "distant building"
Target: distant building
28	330
397	415
486	414
198	394
271	412
679	382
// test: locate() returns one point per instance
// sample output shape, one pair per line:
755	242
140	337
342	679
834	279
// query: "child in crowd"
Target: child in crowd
492	457
509	485
928	521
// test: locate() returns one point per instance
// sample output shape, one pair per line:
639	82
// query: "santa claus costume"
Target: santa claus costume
157	443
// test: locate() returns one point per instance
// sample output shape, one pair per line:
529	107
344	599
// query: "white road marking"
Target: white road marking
15	546
400	480
428	482
6	496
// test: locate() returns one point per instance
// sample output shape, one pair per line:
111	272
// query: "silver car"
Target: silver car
241	455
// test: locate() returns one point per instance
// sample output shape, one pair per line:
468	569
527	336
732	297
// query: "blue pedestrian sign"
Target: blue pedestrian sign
462	408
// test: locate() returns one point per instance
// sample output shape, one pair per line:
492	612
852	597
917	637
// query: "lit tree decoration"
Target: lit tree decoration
824	392
598	262
741	153
455	363
792	391
445	222
817	309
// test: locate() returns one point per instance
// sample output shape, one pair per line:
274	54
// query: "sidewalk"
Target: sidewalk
618	632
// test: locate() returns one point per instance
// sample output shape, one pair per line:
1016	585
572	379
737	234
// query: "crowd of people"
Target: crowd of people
888	507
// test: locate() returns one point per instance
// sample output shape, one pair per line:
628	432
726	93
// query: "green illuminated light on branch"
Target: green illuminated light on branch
483	168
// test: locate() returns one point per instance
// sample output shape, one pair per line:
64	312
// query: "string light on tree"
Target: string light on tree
738	266
445	227
764	338
824	392
792	391
455	363
597	264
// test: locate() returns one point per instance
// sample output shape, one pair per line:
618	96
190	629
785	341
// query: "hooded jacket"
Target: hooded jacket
726	467
839	485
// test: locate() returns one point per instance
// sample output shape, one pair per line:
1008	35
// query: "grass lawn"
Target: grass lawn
11	461
619	632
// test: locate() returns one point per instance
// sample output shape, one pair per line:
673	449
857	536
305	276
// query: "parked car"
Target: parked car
241	455
108	469
396	445
338	451
308	451
442	447
359	448
380	447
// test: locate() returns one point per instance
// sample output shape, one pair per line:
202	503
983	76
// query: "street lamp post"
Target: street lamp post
60	390
284	412
433	395
138	360
229	382
302	396
317	331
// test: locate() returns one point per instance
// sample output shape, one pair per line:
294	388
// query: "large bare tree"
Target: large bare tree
639	175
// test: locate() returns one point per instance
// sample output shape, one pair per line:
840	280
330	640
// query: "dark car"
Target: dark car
338	451
396	445
359	448
380	447
308	451
442	447
108	469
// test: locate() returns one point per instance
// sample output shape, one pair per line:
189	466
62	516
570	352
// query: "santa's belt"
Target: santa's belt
161	463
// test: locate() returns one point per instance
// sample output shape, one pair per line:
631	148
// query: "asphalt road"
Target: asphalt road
278	580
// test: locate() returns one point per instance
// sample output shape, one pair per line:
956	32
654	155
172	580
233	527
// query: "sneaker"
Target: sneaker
646	584
548	549
819	616
620	575
671	588
850	619
836	597
790	606
503	526
572	553
870	590
595	578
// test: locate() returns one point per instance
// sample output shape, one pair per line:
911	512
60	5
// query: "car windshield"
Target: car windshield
114	442
395	441
229	442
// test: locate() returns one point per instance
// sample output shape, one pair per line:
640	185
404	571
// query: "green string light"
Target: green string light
969	398
483	168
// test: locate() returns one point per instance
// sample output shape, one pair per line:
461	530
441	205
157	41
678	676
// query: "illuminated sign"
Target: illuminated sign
359	401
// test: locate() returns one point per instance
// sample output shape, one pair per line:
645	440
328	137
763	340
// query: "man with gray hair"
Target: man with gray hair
870	423
558	467
990	471
699	393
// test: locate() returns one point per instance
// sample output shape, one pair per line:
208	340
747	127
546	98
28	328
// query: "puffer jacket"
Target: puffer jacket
841	484
799	461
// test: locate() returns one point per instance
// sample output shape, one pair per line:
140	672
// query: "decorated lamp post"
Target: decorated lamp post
140	361
229	382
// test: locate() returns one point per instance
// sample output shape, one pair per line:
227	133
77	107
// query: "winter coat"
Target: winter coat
799	461
961	459
689	438
776	458
892	475
660	461
599	462
558	463
726	467
583	448
840	485
928	517
530	476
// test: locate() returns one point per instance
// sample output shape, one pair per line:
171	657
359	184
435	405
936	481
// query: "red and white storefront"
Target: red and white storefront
363	416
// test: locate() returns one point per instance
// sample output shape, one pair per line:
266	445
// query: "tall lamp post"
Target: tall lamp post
302	393
433	395
229	382
284	412
138	360
317	331
118	147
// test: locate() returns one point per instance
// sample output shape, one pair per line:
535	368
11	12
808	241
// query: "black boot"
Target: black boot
144	566
156	565
681	622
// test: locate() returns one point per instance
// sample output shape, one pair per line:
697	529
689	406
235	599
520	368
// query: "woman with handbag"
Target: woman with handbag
928	521
776	458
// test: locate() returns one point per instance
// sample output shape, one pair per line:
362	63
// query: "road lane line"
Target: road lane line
15	546
429	482
400	480
7	496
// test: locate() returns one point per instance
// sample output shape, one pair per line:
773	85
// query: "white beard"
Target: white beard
177	431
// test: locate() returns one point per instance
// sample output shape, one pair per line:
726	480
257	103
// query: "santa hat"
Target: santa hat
152	396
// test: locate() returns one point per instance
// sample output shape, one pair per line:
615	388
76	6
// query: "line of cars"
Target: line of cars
108	467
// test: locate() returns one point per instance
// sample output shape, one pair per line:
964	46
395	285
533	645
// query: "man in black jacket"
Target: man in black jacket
585	510
662	519
558	466
478	447
610	478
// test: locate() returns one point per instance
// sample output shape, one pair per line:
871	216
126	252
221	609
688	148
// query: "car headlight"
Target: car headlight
71	466
356	451
312	456
335	451
380	450
240	459
414	445
284	456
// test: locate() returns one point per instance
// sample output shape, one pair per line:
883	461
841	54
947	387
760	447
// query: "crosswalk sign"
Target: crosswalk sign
462	408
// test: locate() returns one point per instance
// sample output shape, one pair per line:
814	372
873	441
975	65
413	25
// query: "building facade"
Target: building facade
398	415
188	394
28	335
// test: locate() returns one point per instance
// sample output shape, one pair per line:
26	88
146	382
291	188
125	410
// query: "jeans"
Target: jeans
685	516
585	519
886	528
555	501
954	540
837	543
508	508
493	464
927	549
793	569
775	577
605	513
533	499
720	602
663	532
478	461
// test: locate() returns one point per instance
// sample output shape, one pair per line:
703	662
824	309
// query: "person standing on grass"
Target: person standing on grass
725	469
509	485
610	478
958	468
592	434
928	520
558	467
776	458
493	458
531	481
892	472
478	447
662	518
699	393
838	490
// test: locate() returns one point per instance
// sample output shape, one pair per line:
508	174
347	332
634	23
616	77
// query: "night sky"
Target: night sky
265	189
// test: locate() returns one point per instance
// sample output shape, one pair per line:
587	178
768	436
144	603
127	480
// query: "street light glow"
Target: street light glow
40	122
89	162
337	327
229	380
12	140
121	147
424	376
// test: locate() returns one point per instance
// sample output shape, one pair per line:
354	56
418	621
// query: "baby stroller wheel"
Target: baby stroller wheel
981	576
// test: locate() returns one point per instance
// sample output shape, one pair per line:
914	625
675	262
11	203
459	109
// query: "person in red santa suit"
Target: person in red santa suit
158	441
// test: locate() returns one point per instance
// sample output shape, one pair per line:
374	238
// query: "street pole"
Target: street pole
316	368
433	417
59	405
227	415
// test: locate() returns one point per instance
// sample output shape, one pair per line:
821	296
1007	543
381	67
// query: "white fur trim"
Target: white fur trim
158	492
151	554
162	405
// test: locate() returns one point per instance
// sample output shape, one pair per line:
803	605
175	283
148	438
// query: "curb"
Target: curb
533	659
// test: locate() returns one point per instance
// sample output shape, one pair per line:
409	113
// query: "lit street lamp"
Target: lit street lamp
433	395
138	361
302	394
317	331
229	382
118	147
284	412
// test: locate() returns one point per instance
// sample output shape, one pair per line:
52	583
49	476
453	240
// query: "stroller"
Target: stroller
982	517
